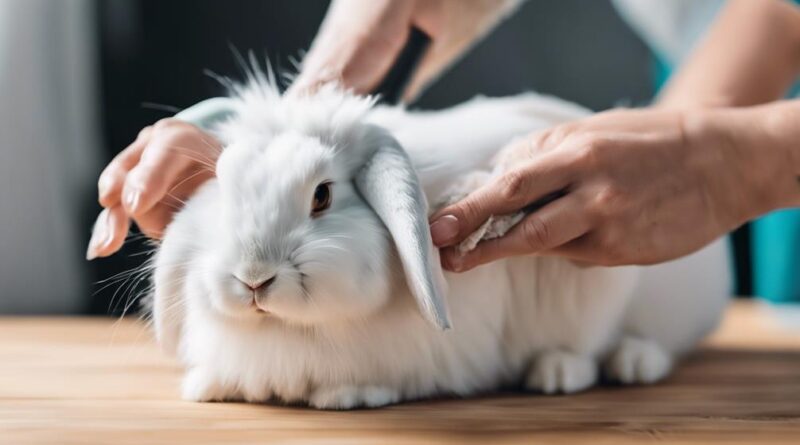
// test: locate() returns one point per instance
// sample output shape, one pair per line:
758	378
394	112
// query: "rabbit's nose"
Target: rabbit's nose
256	285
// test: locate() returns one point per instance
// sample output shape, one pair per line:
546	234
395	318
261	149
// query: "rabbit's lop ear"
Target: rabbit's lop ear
388	182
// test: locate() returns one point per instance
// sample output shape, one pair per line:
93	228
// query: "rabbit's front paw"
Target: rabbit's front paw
200	385
638	361
348	397
561	372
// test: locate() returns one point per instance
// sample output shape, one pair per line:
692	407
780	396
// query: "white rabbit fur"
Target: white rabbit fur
343	329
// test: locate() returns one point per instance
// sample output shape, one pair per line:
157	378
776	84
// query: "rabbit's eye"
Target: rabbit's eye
322	198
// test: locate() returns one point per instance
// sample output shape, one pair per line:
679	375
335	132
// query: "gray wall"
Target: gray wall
577	49
48	151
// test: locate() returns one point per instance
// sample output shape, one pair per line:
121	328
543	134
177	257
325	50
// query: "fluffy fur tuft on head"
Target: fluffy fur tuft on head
332	113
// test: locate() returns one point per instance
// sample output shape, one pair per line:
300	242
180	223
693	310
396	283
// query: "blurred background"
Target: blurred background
80	78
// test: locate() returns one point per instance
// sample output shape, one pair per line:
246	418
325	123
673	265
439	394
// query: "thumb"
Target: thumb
455	222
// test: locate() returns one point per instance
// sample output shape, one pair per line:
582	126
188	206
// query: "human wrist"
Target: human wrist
779	124
749	156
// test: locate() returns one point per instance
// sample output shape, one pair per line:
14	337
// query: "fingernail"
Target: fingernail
444	230
457	263
103	186
132	199
101	236
452	261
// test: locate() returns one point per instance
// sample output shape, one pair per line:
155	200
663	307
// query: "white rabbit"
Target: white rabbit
300	273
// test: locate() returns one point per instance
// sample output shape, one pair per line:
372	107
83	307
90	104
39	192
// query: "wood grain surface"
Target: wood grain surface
101	381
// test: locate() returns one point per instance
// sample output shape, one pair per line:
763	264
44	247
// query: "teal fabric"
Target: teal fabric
661	72
776	256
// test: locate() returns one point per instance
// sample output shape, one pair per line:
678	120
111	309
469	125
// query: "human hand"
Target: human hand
359	40
639	187
150	180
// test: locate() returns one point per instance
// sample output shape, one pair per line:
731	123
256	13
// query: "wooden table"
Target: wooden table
94	380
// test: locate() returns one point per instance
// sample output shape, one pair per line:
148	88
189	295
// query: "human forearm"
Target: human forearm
751	55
